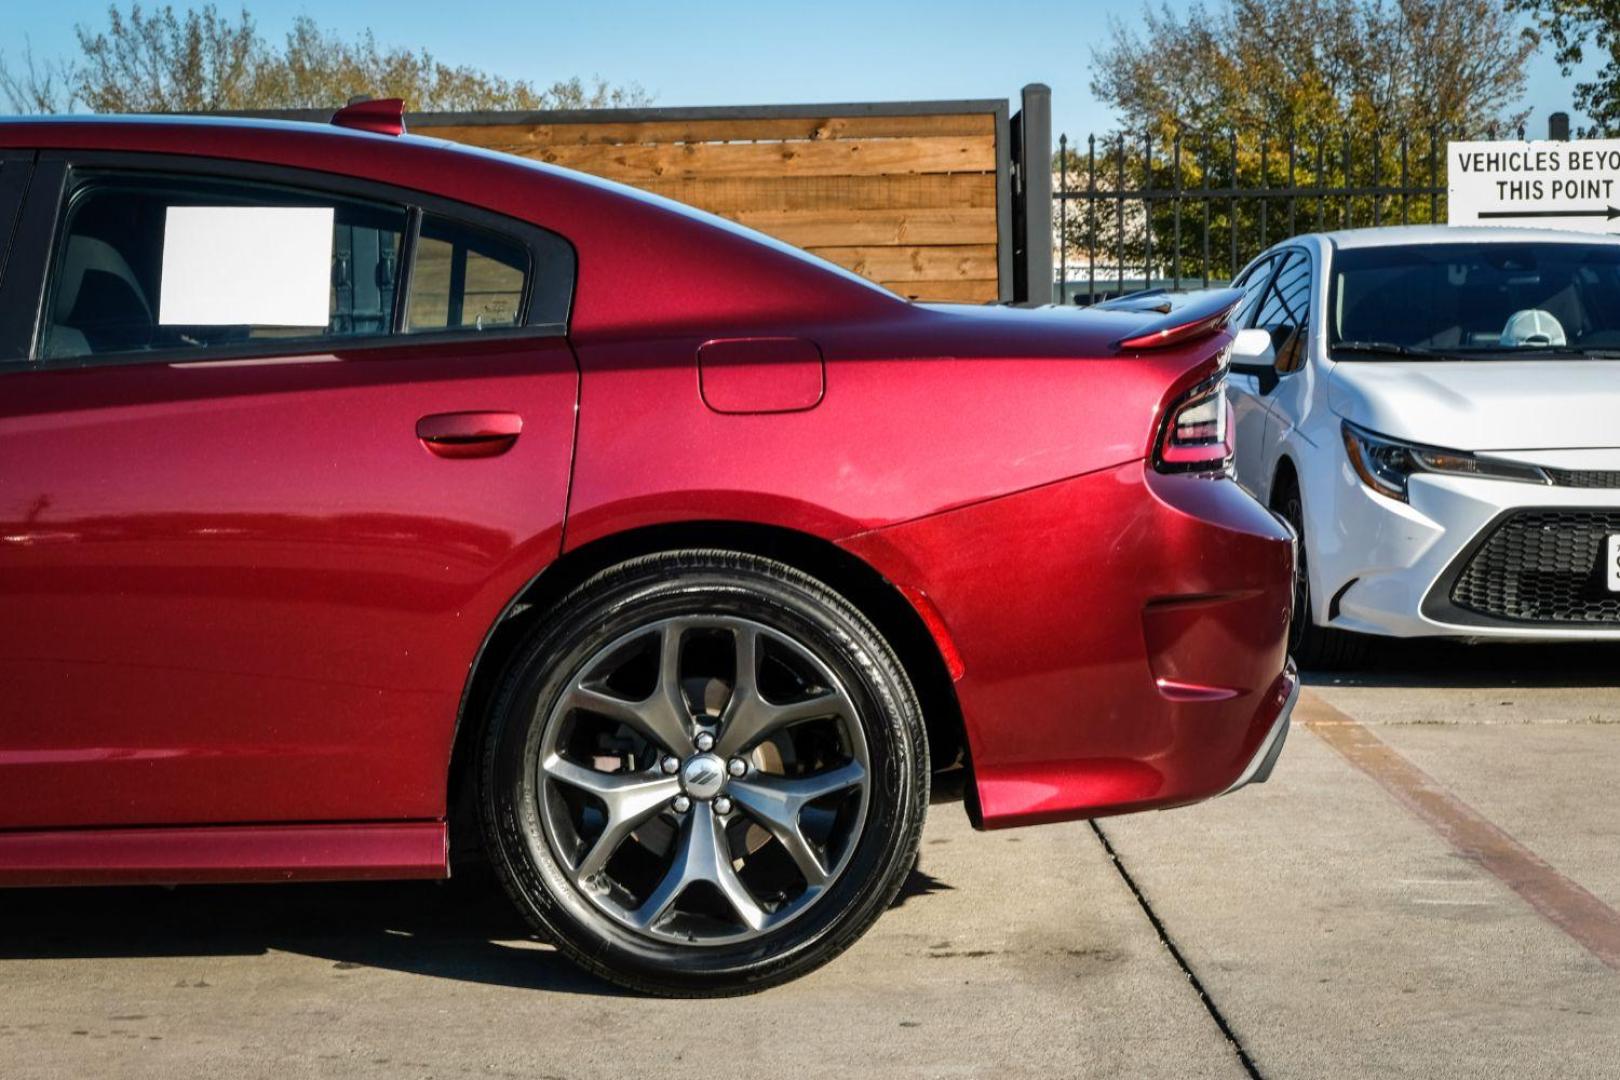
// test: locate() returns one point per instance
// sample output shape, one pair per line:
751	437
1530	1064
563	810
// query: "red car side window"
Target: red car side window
465	278
105	294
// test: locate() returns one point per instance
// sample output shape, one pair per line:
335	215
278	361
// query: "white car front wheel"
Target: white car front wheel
1310	645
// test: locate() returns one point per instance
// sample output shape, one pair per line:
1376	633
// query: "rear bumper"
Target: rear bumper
1123	638
1259	768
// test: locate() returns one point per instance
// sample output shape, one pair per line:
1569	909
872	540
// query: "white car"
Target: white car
1437	412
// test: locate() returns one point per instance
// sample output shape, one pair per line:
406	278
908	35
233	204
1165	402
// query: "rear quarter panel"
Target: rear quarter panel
994	463
925	410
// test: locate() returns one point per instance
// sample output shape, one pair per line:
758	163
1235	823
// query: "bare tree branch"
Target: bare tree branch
36	87
199	60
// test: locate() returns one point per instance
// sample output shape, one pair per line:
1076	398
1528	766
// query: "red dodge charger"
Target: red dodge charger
367	502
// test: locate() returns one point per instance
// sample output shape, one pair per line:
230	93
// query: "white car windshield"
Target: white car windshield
1476	301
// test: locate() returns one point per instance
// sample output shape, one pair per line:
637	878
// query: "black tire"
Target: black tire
721	585
1314	647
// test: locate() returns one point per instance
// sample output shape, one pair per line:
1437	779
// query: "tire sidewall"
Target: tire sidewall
637	595
1302	626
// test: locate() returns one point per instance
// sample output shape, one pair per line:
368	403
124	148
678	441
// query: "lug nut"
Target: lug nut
722	805
705	741
737	766
670	766
681	804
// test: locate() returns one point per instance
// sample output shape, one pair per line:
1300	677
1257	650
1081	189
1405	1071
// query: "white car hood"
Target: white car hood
1483	404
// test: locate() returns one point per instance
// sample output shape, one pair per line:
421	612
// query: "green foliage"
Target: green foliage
199	60
1572	25
1346	102
1389	65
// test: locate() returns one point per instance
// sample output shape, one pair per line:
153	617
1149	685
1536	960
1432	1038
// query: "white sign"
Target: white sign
246	266
1555	185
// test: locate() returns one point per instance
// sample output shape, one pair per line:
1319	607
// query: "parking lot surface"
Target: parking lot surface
1427	887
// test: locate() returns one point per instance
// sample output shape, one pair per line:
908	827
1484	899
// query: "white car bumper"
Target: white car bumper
1379	566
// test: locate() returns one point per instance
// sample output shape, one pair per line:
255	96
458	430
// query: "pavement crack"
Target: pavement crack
1175	954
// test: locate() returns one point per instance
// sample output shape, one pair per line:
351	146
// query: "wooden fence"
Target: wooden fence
907	195
917	196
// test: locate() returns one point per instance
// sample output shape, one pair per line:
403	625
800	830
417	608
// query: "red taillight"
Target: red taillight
1197	433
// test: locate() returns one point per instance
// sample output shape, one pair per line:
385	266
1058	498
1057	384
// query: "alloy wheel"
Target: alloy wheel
703	780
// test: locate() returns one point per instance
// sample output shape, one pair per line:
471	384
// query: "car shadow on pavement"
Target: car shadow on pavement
462	929
918	884
1443	663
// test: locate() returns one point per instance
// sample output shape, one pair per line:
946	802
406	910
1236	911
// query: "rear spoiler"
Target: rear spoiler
1175	318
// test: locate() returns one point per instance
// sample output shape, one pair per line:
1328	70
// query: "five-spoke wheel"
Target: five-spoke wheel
706	774
744	748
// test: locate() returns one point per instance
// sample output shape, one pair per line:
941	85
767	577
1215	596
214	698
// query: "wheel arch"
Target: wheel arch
1286	479
1285	475
894	615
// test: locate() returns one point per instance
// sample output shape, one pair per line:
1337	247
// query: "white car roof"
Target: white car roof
1407	235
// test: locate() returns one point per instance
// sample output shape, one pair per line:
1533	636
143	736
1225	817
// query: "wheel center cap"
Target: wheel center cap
703	776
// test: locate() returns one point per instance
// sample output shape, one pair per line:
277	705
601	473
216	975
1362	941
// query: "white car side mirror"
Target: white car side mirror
1253	354
1253	347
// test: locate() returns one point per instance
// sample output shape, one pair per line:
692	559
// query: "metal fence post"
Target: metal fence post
1063	220
1175	212
1033	281
1091	219
1119	214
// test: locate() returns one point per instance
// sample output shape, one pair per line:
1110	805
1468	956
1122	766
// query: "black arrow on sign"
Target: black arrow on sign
1611	213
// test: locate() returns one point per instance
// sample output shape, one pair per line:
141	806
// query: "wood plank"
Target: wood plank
945	262
845	157
735	195
909	201
956	292
840	227
759	129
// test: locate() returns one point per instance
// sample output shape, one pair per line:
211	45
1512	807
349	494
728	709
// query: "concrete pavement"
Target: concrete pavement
1332	930
1341	934
1015	954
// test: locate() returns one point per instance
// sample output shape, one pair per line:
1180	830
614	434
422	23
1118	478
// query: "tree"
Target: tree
1571	24
1387	65
1290	95
39	87
316	69
202	61
164	62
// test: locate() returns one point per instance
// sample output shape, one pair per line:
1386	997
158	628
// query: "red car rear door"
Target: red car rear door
247	559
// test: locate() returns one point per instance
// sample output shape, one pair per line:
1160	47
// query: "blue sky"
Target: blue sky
729	52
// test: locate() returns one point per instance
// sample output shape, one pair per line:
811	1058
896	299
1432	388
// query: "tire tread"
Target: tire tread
879	664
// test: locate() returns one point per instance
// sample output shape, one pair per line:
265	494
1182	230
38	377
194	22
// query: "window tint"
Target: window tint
13	173
1483	298
241	262
1287	302
1253	283
465	278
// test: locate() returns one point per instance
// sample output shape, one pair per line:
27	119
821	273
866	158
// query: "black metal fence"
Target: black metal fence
1190	209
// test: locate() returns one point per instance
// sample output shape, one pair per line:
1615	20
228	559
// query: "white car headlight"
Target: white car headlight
1385	464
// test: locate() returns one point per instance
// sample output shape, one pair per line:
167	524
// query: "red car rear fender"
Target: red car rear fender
1119	636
